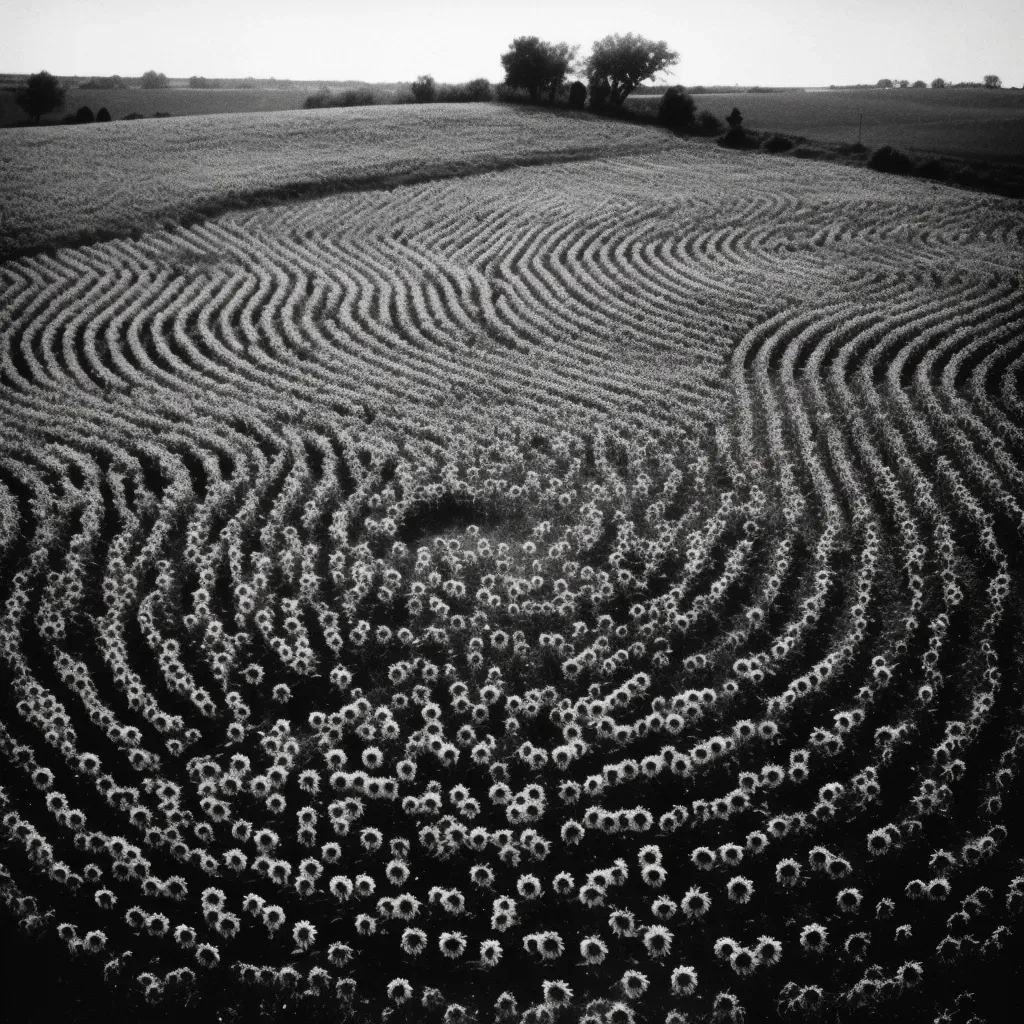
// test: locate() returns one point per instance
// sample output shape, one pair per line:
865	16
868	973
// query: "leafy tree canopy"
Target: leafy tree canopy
535	65
623	62
40	94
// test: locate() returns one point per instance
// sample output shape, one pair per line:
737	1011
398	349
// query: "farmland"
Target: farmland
587	590
978	124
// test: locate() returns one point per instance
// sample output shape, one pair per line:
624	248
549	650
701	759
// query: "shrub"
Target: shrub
424	89
154	80
891	161
577	95
349	98
600	90
477	91
133	116
778	144
736	138
677	109
103	114
84	115
735	119
708	124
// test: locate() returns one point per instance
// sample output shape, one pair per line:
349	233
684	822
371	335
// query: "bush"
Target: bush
891	161
677	109
154	80
735	119
708	124
477	91
736	138
424	89
103	114
349	98
84	115
577	95
162	113
600	90
778	144
133	116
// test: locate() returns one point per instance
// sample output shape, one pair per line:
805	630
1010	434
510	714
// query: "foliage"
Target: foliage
677	109
890	160
155	80
577	95
84	115
737	138
735	119
41	94
103	114
424	89
600	91
324	98
920	84
199	82
708	123
103	82
777	144
938	83
536	66
478	90
993	82
622	62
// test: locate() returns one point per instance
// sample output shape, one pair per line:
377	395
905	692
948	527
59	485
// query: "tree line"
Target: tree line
616	66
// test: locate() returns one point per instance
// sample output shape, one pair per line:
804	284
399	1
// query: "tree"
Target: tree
534	65
735	119
154	80
904	83
623	62
938	83
424	89
993	82
103	114
41	94
919	84
885	83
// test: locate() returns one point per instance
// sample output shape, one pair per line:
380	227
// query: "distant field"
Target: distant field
172	101
979	124
79	182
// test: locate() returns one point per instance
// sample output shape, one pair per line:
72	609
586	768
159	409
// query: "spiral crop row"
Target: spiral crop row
586	592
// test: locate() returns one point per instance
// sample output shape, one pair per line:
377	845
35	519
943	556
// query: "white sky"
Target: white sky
751	42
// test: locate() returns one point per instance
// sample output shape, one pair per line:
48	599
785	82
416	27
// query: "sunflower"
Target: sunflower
684	981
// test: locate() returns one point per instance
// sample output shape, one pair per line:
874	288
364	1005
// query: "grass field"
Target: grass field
981	124
588	591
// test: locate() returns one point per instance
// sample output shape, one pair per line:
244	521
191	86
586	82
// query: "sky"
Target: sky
723	42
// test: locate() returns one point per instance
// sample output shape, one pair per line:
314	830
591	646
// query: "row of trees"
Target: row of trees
990	82
615	67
